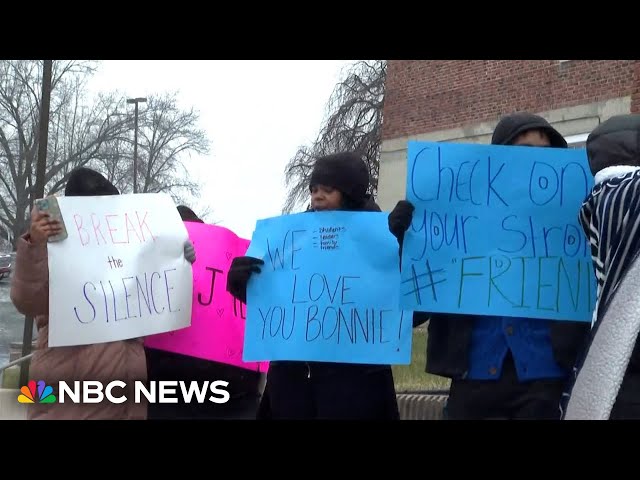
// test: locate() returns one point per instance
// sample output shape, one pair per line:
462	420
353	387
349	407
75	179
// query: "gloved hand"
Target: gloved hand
239	274
400	219
189	251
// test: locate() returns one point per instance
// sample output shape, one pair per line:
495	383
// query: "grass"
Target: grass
412	377
10	377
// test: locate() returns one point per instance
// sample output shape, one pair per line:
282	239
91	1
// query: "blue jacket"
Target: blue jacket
450	336
529	341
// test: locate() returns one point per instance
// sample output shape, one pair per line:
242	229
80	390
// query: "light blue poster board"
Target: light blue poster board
495	231
328	291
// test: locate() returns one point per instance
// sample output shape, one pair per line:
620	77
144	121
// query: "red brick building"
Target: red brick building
462	100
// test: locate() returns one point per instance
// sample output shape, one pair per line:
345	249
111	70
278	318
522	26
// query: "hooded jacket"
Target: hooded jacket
449	335
298	389
607	375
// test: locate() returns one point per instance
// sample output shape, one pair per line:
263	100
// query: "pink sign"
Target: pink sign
217	320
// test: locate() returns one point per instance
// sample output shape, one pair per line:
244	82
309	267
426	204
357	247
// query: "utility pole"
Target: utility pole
135	141
38	192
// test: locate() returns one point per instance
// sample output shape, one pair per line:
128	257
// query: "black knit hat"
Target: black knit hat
84	182
510	126
344	171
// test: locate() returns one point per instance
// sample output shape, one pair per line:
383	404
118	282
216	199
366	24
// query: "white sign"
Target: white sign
121	272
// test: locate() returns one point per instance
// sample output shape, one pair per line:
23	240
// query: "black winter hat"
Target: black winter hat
188	215
344	171
616	141
84	182
510	126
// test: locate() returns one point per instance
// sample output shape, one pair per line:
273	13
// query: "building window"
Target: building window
577	141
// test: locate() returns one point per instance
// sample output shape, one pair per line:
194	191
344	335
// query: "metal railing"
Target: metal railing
16	362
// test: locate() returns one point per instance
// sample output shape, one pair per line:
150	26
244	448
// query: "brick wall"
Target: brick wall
635	93
428	95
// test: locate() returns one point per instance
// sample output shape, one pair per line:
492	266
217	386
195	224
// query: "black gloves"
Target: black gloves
400	219
239	274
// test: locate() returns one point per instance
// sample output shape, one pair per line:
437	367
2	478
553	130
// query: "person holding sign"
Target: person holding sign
500	367
244	385
324	390
122	360
607	385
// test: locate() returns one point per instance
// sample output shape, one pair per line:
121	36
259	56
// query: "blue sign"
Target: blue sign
328	291
495	231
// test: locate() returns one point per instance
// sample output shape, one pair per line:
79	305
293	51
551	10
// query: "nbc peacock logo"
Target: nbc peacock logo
42	394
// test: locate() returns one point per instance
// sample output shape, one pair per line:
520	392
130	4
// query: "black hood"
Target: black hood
510	126
84	182
616	141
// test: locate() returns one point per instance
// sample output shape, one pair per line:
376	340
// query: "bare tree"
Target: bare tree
115	161
353	122
89	132
73	139
84	136
167	136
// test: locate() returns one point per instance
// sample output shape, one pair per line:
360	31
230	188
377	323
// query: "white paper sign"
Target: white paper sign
121	273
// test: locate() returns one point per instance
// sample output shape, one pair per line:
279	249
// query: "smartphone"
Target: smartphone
50	205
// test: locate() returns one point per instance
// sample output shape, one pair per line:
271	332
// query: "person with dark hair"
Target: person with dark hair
244	385
606	384
188	215
325	390
122	360
500	367
84	182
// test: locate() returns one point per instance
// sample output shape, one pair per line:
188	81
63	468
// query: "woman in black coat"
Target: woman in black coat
325	390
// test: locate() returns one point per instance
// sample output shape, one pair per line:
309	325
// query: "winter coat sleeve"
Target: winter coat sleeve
30	279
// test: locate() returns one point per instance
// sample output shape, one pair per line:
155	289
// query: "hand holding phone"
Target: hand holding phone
50	206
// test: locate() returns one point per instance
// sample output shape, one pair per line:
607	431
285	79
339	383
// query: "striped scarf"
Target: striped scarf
610	217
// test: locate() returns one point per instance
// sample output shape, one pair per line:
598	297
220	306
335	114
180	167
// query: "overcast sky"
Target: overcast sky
256	115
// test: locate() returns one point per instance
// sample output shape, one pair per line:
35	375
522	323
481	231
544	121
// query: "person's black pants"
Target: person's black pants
297	390
244	388
506	398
